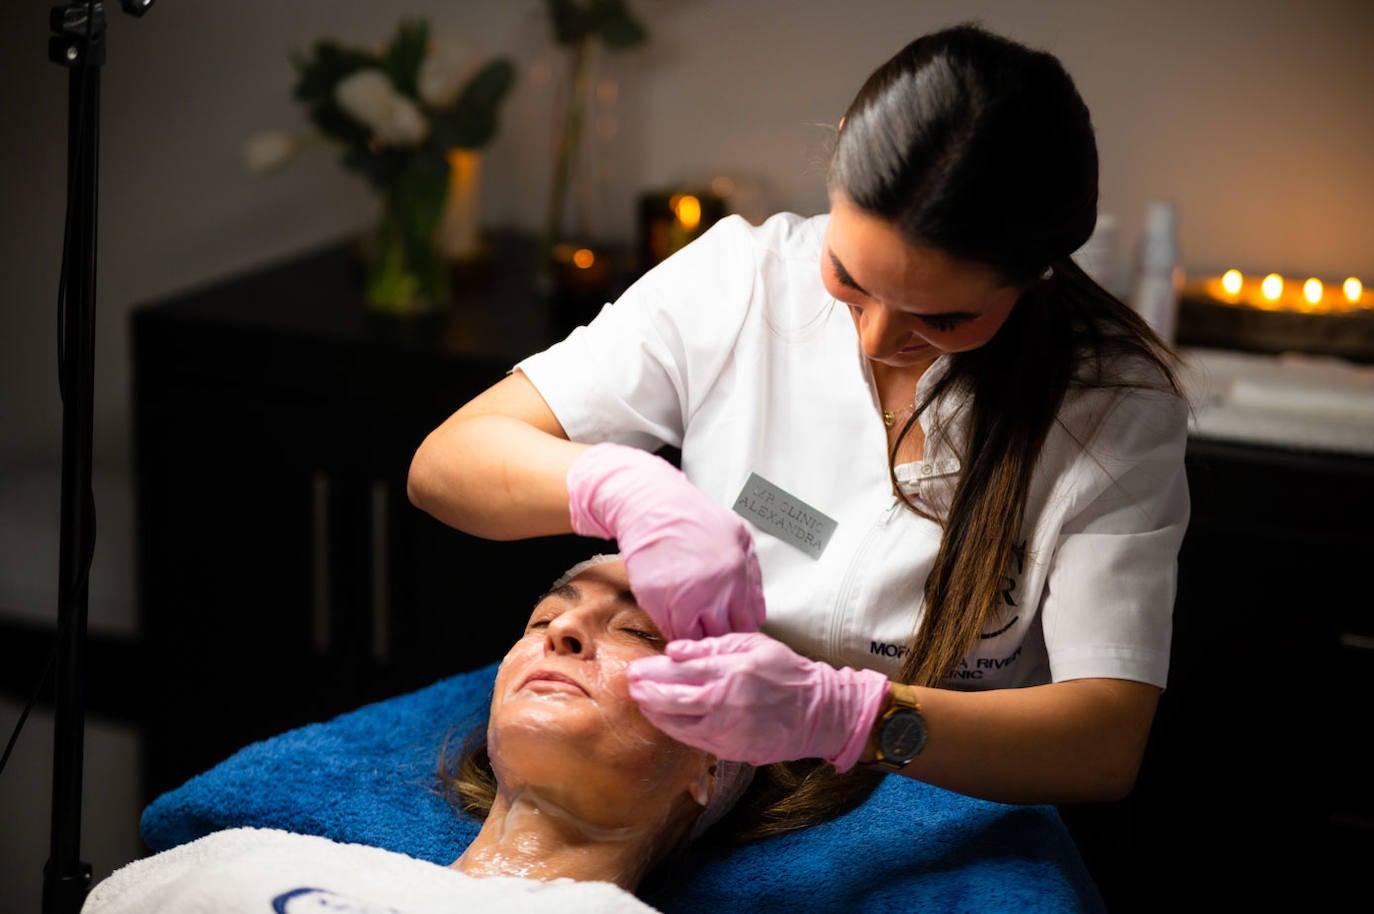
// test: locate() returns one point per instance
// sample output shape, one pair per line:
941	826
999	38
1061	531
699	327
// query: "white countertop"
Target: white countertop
1310	403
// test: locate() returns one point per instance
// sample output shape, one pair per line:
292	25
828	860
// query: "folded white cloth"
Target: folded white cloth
1290	401
260	870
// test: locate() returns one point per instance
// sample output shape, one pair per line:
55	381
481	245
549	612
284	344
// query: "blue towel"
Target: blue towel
368	777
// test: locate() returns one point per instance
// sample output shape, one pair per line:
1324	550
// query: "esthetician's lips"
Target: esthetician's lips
552	681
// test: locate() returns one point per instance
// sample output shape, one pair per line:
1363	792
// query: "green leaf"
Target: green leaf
472	120
331	121
614	23
370	165
570	22
404	56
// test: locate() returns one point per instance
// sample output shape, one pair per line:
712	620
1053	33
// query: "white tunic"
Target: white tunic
732	351
260	871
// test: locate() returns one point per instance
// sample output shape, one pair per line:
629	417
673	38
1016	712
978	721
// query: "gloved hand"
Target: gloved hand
749	698
691	562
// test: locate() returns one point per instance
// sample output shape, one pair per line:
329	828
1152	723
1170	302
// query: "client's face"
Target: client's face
562	719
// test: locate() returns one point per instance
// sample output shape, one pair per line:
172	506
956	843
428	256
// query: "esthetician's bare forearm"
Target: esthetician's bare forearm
497	468
1075	741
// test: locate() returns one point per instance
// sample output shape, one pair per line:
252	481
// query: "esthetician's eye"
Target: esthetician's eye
943	322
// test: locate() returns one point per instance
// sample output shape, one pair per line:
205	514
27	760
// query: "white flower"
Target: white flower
267	151
447	66
369	98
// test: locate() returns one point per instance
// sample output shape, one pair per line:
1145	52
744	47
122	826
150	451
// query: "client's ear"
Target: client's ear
703	786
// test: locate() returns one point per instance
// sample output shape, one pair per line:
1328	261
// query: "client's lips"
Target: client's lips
552	681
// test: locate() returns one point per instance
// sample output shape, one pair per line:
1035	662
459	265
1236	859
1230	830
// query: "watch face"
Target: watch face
903	735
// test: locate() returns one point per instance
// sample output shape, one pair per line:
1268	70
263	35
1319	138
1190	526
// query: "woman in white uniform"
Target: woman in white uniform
932	487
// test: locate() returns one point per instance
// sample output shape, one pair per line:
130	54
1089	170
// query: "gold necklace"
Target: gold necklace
890	416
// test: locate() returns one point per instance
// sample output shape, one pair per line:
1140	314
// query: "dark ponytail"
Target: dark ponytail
982	149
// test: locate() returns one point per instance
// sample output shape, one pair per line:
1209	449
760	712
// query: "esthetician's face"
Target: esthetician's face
910	303
562	718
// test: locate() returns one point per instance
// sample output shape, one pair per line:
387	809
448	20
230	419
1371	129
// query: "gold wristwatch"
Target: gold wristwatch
900	732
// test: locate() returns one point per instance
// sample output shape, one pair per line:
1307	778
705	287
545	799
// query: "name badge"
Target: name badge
785	516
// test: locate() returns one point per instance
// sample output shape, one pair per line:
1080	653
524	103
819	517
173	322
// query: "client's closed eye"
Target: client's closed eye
651	637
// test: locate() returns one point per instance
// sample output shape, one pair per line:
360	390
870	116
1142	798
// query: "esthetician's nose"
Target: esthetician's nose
882	330
569	634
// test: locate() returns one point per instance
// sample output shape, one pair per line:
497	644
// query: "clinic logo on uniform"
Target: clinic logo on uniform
1009	585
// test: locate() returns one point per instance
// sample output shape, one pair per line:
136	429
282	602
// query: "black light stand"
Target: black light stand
78	43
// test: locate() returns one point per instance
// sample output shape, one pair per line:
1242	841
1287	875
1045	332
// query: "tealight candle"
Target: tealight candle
1312	291
1353	289
669	220
1275	293
1272	287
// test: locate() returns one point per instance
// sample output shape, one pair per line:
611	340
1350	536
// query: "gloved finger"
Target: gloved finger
664	670
691	628
691	730
669	698
747	611
683	650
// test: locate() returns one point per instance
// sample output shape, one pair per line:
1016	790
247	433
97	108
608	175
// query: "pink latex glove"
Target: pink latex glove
749	698
691	562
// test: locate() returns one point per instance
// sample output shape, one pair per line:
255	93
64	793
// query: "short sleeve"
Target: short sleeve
636	373
1108	605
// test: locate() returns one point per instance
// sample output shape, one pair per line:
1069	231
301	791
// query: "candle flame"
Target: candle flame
1353	289
688	210
1272	287
1231	281
1312	291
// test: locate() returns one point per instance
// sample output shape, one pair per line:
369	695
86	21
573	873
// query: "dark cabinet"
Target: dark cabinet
284	575
1256	790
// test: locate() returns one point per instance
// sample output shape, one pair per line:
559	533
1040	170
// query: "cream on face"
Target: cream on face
562	719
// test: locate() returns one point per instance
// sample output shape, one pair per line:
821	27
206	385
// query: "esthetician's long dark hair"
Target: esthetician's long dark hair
981	148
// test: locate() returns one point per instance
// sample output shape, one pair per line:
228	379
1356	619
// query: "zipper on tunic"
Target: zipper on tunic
852	575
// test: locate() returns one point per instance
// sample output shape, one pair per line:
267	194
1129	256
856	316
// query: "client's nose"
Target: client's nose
567	635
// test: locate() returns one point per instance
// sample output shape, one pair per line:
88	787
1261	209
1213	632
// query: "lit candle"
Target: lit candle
668	220
1312	291
688	211
1274	293
1353	289
580	267
1272	287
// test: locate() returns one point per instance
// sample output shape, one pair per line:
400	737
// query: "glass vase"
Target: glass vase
406	276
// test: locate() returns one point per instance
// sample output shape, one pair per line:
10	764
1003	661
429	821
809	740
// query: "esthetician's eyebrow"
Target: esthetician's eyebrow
848	280
840	271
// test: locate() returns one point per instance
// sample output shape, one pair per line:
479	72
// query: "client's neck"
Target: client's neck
530	835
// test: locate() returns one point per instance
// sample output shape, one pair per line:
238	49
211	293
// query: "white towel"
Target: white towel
1289	401
265	871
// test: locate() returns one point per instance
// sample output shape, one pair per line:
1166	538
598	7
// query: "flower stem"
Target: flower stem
569	140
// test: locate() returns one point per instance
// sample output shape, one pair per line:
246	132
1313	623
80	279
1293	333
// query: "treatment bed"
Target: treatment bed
369	777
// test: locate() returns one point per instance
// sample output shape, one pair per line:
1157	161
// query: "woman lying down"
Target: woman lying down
581	796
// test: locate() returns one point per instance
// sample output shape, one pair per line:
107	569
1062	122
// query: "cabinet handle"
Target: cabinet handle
321	563
381	572
1357	642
